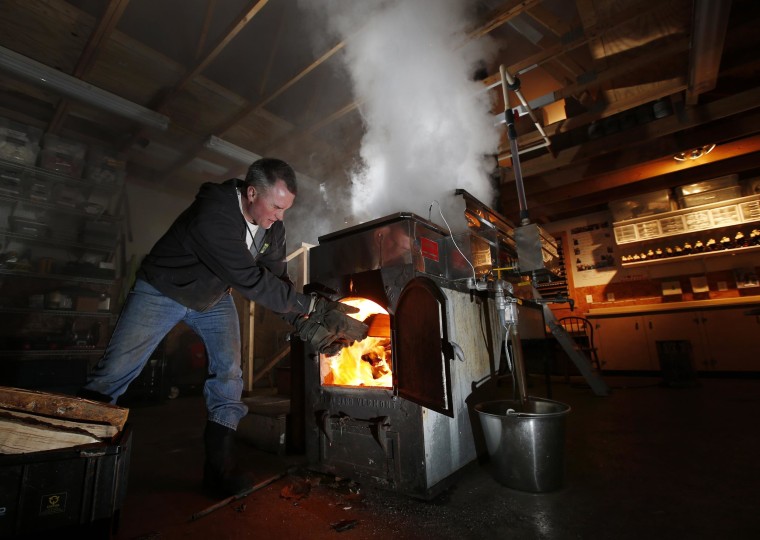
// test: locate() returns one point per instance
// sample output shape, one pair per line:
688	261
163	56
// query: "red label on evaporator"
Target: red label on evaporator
429	249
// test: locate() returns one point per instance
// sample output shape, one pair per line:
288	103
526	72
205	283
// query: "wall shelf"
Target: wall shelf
56	277
689	221
61	312
692	256
40	353
56	232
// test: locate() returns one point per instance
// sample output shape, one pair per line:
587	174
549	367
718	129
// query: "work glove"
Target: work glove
327	326
334	317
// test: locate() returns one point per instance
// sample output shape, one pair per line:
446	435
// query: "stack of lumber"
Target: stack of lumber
32	421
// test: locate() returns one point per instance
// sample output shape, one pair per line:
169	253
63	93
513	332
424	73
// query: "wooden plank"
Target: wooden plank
379	325
501	17
20	437
271	363
691	117
580	188
101	431
61	406
709	34
235	28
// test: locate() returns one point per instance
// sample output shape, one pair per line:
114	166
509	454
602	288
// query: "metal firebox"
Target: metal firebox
414	432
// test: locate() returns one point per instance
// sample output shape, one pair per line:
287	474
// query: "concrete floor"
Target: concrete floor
645	462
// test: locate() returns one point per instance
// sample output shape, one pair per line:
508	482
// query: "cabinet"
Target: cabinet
720	339
58	273
621	343
732	340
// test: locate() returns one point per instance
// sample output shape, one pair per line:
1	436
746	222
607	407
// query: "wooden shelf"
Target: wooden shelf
38	353
651	229
56	277
61	312
692	256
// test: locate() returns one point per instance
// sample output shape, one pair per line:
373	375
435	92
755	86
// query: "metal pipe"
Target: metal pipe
514	85
509	117
519	366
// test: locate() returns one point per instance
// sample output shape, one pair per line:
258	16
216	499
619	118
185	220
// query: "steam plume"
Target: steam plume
427	124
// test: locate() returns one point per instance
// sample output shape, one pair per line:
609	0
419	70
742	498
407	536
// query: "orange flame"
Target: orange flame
365	363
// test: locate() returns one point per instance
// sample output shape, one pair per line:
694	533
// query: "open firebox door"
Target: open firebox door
422	334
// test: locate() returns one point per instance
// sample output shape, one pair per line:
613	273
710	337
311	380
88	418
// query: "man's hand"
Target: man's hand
334	317
329	328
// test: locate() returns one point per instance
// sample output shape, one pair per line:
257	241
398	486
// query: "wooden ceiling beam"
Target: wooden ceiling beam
210	8
273	52
570	43
710	22
689	118
234	29
588	186
743	160
548	20
725	132
113	12
501	17
584	119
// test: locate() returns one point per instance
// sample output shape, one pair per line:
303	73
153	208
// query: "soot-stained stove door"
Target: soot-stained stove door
421	360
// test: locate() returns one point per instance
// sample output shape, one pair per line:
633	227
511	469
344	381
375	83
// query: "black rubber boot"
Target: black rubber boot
221	477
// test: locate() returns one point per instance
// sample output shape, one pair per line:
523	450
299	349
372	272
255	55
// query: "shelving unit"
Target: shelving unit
642	236
694	256
59	239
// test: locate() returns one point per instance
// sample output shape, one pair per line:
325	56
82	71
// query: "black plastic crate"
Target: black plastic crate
676	364
73	490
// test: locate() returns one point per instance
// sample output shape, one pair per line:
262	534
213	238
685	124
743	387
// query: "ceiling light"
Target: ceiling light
220	146
694	153
77	89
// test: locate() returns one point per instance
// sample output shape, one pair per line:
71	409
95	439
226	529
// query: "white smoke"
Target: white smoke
428	128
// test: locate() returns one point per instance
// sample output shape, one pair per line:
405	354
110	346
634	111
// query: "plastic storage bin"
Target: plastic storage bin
647	204
708	197
63	492
105	167
19	142
727	181
62	156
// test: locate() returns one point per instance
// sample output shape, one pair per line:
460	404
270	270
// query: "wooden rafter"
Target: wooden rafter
737	157
709	33
210	9
634	167
235	28
602	27
501	17
690	118
113	12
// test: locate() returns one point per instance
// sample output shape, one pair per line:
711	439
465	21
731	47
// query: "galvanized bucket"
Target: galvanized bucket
526	444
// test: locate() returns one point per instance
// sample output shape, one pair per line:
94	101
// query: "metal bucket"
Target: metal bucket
526	444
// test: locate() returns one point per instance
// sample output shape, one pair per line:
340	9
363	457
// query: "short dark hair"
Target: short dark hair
264	173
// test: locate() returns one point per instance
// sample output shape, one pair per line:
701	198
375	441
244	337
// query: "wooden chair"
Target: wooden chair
582	332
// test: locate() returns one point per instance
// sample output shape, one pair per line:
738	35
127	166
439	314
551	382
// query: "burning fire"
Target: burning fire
367	362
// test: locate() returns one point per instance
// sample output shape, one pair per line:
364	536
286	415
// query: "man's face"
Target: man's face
269	206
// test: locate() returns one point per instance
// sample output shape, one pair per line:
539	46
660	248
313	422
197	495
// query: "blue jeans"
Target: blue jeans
146	318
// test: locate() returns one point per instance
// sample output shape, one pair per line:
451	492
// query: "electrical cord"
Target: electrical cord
440	211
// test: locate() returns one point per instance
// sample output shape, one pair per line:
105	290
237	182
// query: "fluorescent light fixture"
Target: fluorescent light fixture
77	89
220	146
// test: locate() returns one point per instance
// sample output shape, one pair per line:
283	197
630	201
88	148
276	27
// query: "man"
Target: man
231	236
